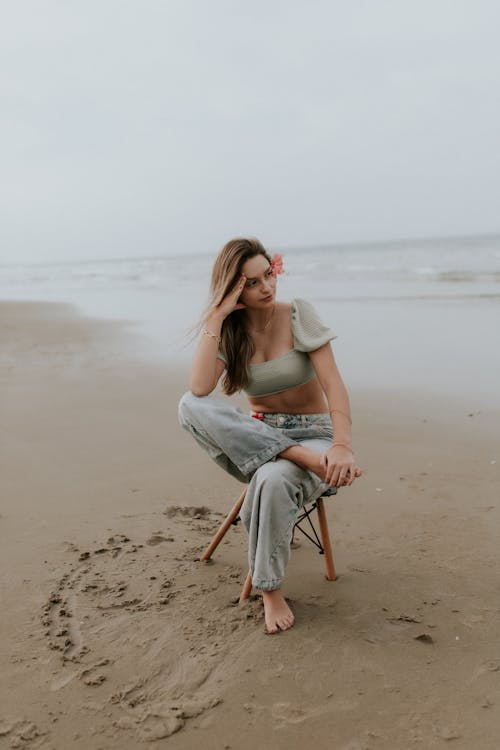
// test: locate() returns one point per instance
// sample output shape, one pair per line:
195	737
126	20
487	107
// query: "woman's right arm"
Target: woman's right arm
206	368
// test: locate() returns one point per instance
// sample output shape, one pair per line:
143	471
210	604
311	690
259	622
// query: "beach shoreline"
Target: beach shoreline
113	632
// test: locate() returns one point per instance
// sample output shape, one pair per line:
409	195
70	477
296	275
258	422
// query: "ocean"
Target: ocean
410	315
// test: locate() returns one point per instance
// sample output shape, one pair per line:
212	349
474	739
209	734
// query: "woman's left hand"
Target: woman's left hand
339	465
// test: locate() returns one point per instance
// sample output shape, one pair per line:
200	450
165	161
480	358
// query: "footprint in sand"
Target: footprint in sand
159	721
493	665
199	511
202	518
94	675
21	732
157	537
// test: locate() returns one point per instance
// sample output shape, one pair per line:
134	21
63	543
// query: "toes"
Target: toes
270	631
286	622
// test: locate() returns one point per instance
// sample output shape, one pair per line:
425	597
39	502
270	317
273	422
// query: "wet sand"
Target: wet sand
113	635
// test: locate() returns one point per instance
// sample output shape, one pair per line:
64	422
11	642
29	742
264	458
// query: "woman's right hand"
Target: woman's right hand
230	302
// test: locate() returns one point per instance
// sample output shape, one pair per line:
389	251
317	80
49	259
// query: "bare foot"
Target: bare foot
277	613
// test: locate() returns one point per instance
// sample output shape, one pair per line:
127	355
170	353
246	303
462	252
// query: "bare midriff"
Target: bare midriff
304	399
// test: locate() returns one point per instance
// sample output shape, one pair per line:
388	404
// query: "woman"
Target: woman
279	354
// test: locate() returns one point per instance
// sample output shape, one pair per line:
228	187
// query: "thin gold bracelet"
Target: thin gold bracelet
212	335
343	414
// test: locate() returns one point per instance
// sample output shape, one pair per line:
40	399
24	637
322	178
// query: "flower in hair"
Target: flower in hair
277	264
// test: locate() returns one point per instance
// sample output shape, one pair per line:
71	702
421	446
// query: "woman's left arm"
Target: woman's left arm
339	459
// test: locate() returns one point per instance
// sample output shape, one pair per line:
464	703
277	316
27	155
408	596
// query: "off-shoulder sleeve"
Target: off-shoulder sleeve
221	356
309	332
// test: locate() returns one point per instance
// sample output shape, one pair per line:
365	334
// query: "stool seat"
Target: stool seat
330	491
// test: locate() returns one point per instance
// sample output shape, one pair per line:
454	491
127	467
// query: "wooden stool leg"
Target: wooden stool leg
224	527
247	587
325	540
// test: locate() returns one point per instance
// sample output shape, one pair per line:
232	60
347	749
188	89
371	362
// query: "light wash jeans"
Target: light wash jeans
248	448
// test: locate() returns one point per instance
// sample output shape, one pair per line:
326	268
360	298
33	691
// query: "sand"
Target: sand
114	636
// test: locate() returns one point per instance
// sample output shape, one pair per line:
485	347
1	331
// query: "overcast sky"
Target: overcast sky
149	127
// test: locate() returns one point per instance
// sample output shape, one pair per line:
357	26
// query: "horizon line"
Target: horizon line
273	248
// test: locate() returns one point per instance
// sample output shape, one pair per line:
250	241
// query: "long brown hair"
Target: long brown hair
236	344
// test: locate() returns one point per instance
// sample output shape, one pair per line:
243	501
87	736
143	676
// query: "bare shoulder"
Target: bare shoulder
283	308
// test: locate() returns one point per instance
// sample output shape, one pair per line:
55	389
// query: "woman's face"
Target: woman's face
260	284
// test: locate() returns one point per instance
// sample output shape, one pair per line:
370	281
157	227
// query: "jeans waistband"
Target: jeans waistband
287	421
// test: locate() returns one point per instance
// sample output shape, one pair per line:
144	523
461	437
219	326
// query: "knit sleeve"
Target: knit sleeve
309	332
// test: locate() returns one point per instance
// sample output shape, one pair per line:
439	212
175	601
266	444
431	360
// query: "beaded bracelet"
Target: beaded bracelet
212	335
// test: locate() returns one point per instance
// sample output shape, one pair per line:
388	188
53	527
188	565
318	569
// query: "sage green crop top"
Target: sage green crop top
293	368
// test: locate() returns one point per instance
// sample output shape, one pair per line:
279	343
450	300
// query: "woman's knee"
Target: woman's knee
275	478
192	406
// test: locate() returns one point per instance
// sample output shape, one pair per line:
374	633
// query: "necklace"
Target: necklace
261	330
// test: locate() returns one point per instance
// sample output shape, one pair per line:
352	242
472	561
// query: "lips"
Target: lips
267	299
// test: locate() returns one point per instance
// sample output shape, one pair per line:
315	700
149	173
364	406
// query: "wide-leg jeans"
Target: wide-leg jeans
248	448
